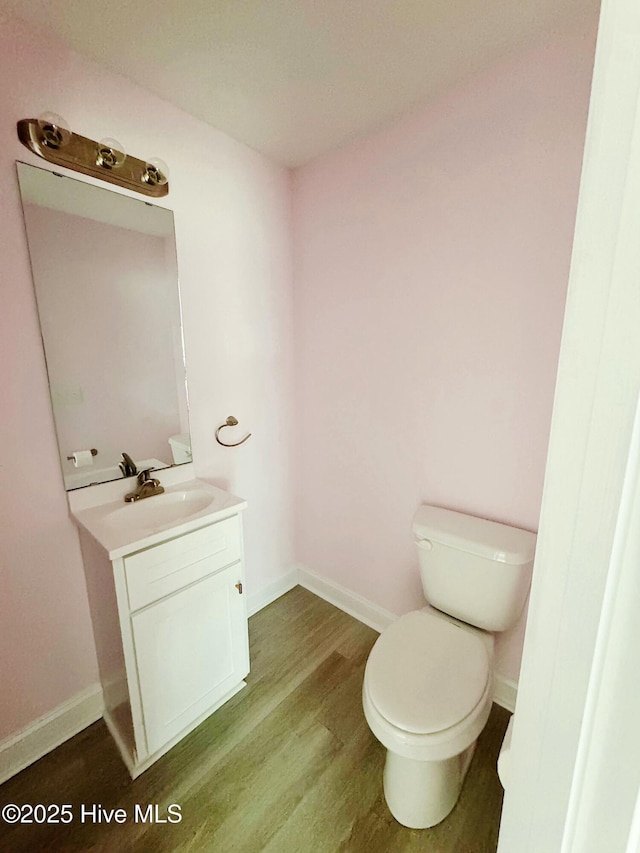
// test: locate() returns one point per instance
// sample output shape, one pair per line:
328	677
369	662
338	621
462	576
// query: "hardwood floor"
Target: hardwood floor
288	765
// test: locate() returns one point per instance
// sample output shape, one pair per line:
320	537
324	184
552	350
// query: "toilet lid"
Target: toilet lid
425	674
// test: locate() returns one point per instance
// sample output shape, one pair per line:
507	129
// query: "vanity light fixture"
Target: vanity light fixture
50	137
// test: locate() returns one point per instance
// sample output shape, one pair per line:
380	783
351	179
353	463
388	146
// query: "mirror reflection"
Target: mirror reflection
105	276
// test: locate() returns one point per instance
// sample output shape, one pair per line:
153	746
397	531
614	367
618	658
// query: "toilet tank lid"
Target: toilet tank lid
478	536
183	439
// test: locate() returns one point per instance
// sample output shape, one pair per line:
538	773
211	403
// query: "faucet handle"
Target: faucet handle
128	466
145	476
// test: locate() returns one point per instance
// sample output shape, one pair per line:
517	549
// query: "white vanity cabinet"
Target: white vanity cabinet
188	626
190	651
170	625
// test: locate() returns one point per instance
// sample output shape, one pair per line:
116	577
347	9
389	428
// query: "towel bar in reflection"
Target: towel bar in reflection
231	421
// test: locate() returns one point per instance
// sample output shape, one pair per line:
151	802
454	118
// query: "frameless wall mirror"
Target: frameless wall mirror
105	276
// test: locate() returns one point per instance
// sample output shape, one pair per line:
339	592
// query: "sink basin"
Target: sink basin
160	510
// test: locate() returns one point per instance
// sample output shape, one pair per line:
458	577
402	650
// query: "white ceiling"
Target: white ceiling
295	78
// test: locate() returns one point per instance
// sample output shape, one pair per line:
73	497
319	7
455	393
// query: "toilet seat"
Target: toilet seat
425	674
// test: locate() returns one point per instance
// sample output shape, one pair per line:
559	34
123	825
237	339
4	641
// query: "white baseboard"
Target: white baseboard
355	605
43	735
505	692
267	594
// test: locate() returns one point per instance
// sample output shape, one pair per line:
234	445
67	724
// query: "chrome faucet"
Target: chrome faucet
147	487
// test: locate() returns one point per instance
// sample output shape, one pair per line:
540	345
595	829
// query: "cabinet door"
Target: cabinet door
191	649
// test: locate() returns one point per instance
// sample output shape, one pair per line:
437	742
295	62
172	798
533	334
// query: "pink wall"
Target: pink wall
232	216
431	264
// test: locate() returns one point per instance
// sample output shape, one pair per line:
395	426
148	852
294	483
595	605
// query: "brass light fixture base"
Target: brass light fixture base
83	155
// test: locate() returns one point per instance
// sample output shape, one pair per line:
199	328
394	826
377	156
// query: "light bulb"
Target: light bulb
111	153
54	130
156	172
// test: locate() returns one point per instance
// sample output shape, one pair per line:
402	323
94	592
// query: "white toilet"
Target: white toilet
428	684
181	448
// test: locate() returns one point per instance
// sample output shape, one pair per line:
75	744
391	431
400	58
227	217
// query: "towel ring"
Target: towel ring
231	421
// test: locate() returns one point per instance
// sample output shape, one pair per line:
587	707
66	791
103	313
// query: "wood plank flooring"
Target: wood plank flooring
288	765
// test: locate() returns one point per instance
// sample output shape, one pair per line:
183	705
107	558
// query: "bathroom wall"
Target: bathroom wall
232	217
431	264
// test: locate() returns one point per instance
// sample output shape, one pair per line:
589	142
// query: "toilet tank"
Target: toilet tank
476	570
181	448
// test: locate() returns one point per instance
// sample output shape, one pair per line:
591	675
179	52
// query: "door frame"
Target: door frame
578	637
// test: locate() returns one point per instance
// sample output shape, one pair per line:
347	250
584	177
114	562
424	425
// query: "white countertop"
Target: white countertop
121	529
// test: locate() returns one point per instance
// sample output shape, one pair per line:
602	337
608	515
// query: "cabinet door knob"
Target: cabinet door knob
239	587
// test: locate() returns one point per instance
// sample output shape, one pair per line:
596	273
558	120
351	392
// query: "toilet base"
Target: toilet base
420	794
